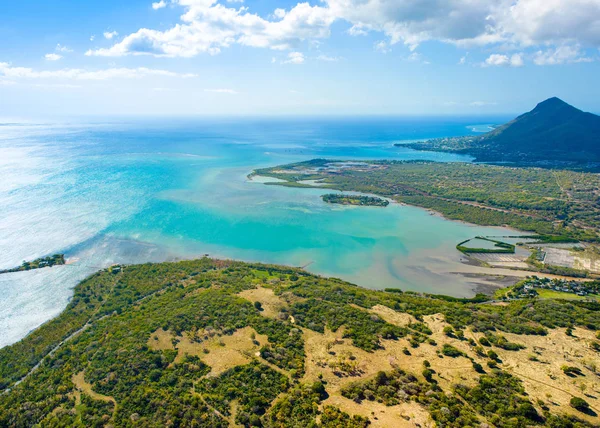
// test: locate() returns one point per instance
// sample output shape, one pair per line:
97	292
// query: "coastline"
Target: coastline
483	270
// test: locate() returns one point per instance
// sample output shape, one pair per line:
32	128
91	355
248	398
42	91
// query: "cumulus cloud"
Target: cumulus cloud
10	72
208	26
52	57
159	4
560	55
295	58
109	35
382	46
496	60
535	22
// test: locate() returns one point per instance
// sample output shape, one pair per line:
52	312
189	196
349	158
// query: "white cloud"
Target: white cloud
536	22
416	57
208	26
52	57
515	60
222	91
357	30
560	55
92	38
8	71
64	49
109	35
6	82
295	58
382	47
279	13
159	4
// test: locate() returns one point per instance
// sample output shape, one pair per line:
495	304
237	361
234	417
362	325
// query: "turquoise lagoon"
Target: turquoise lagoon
141	190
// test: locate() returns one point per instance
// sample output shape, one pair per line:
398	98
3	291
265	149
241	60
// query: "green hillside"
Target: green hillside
211	343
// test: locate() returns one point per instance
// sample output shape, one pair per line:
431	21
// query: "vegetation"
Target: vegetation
101	362
542	135
580	404
338	198
54	260
559	205
500	247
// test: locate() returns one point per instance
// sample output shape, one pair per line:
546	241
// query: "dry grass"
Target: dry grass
544	380
393	317
339	362
271	303
325	353
224	352
83	387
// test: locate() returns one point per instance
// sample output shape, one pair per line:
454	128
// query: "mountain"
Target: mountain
552	131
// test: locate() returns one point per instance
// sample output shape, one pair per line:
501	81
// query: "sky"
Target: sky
267	57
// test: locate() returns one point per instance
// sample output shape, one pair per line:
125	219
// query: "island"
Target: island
216	343
54	260
342	199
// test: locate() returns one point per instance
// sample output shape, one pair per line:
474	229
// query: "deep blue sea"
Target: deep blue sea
129	191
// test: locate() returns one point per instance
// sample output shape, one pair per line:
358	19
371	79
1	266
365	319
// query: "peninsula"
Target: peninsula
342	199
43	262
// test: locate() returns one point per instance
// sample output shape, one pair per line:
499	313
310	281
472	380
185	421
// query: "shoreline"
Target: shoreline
518	272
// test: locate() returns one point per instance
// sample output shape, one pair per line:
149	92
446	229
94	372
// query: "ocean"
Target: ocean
108	191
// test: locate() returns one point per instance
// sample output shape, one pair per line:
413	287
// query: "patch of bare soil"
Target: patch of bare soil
84	387
391	316
540	368
271	304
220	352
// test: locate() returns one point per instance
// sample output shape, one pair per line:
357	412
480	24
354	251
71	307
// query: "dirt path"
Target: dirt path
80	383
76	333
551	386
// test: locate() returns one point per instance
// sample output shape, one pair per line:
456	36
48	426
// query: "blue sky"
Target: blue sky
175	57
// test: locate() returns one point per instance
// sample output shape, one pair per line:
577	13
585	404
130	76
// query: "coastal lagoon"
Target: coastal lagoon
106	192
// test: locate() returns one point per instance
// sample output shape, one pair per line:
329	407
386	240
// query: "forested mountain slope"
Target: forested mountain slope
552	131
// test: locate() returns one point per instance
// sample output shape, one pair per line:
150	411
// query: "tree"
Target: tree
580	404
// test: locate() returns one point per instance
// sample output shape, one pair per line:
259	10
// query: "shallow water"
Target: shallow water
114	192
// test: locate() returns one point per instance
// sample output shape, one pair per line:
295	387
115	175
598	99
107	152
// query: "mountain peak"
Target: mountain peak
552	102
553	130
